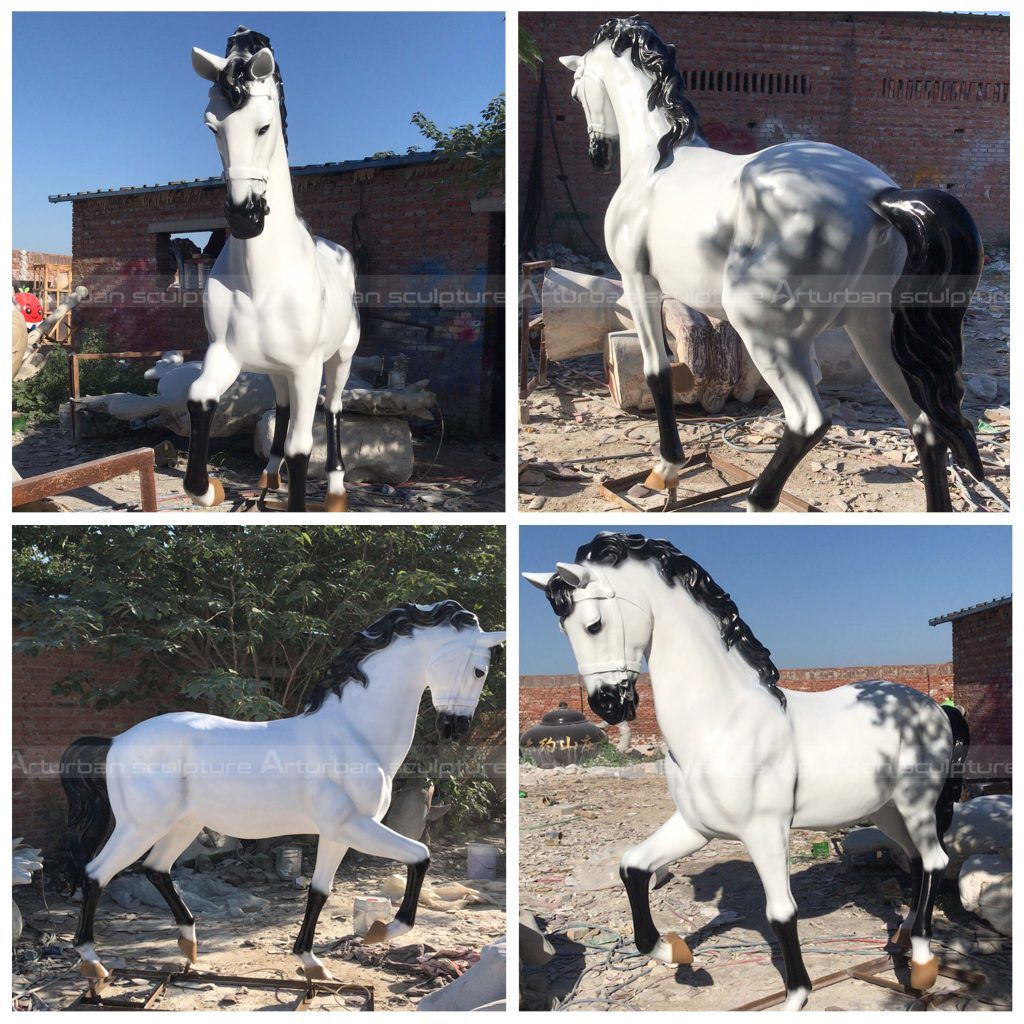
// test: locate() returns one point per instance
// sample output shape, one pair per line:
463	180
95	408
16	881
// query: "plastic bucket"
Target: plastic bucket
367	909
288	862
481	861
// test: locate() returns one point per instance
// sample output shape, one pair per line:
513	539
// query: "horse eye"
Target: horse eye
264	130
479	672
594	628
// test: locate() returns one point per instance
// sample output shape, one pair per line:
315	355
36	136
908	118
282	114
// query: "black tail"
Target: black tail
944	261
83	776
955	779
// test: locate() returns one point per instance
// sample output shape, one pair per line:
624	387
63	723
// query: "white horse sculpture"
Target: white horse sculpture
327	772
748	760
279	300
782	243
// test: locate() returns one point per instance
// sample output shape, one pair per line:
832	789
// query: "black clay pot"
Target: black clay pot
562	736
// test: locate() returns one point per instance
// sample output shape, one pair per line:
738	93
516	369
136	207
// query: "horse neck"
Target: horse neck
383	712
261	257
698	683
639	128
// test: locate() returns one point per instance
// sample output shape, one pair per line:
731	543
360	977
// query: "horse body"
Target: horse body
748	760
279	300
783	243
326	772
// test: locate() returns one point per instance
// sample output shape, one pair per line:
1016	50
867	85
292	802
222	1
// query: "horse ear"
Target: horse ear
262	65
571	62
494	639
207	65
538	579
575	575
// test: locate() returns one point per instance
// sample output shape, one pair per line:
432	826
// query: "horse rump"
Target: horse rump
83	775
955	779
942	270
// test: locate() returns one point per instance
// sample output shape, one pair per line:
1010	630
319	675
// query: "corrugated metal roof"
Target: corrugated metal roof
342	167
997	602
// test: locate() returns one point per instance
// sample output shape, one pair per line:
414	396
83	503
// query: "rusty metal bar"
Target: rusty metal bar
70	478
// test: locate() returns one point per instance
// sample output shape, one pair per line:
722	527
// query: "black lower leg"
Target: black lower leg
765	493
314	904
413	884
671	449
929	908
282	413
334	459
923	901
932	457
796	973
164	884
297	468
200	416
638	889
90	901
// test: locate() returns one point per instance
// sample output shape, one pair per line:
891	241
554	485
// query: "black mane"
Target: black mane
400	621
658	60
234	80
612	548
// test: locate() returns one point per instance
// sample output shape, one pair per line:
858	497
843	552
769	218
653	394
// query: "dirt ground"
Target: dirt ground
452	478
715	901
443	944
575	436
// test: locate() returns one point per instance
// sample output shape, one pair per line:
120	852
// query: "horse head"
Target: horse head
246	114
456	674
609	635
589	90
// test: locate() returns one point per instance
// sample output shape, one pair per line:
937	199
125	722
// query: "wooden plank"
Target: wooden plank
71	478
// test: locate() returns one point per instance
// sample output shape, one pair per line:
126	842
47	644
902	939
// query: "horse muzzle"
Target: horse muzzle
453	727
602	153
246	219
615	703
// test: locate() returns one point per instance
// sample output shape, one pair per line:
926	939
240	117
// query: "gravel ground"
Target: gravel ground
714	900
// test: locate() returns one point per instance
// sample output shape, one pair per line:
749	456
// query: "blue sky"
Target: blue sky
122	105
816	596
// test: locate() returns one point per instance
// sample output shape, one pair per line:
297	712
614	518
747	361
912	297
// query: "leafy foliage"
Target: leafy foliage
40	397
241	621
529	51
481	146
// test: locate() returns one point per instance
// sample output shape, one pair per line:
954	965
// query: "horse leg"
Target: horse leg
369	836
157	865
643	296
918	813
890	821
125	845
329	855
337	371
304	389
768	845
787	368
271	475
674	840
870	330
220	370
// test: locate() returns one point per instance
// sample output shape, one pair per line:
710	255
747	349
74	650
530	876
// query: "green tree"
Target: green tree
478	148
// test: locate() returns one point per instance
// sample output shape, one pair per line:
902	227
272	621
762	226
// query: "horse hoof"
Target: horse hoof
269	481
189	947
336	502
679	951
316	972
922	976
658	480
93	970
378	933
218	492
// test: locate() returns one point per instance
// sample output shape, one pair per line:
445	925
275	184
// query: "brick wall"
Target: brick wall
413	220
954	134
982	684
43	725
538	694
22	260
